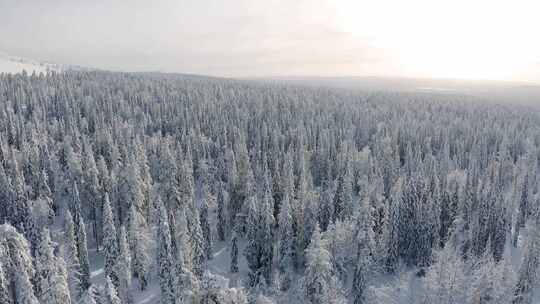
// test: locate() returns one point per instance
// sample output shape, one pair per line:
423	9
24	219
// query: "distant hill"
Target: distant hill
15	64
494	91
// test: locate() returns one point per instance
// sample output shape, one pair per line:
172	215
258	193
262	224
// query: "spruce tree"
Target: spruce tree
319	285
4	284
365	249
21	267
165	259
259	252
123	268
90	296
222	216
326	207
286	242
110	243
82	251
140	245
391	229
197	242
51	277
206	230
91	190
444	281
234	253
528	271
71	257
343	197
109	294
6	196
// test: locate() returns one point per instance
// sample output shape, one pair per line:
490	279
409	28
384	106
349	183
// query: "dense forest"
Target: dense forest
155	188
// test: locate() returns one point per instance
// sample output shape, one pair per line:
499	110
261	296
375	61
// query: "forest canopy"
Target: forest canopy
157	188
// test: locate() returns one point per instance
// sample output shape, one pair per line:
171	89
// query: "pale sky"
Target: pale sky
465	39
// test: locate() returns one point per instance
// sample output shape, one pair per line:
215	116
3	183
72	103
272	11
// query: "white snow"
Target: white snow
96	273
148	299
12	64
219	252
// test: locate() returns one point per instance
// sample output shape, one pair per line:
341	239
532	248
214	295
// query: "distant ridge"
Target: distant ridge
15	64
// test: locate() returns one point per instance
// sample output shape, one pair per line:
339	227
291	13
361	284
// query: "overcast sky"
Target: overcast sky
242	38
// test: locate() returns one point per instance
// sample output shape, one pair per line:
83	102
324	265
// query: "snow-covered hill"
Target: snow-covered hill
15	64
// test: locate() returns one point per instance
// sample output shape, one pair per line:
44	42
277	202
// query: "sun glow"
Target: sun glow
475	39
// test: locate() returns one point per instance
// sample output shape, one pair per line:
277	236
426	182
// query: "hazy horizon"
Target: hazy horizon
244	39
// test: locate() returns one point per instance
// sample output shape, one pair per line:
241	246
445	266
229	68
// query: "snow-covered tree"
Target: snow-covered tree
122	268
390	242
141	244
234	253
492	282
528	271
4	284
109	294
260	249
222	216
90	296
71	258
445	279
365	251
82	251
343	197
286	247
165	259
51	274
206	230
20	268
319	285
197	242
110	241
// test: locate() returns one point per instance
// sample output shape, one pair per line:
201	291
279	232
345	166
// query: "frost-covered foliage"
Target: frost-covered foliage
289	193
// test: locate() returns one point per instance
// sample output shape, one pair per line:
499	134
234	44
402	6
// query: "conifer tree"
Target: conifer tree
6	196
165	259
71	257
90	296
343	197
110	243
234	253
109	294
522	209
206	230
286	242
18	210
391	228
140	246
222	216
122	268
528	271
445	279
319	284
82	251
326	206
197	242
51	277
259	252
4	284
365	250
21	267
91	193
